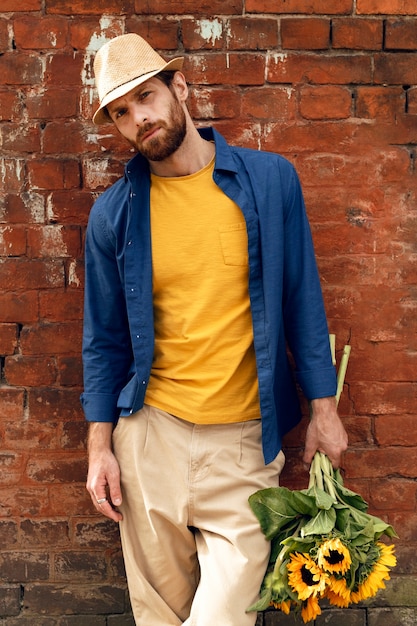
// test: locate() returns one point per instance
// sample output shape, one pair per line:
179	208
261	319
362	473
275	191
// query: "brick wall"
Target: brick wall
330	85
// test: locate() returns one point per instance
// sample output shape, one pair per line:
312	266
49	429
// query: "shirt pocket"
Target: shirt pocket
234	244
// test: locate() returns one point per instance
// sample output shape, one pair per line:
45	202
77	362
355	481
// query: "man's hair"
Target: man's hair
166	76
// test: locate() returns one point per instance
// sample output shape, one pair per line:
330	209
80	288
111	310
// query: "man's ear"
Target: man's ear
180	85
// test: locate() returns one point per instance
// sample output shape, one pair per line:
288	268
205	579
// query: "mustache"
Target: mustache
149	126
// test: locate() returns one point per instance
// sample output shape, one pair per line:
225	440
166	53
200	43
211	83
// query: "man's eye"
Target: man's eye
144	95
120	113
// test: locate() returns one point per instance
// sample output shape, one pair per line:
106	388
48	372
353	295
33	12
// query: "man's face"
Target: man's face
151	118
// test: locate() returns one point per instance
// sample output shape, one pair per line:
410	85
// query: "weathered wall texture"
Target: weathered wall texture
332	85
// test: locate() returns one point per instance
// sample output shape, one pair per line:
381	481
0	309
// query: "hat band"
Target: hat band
125	83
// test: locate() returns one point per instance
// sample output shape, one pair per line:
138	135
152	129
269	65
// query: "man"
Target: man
199	272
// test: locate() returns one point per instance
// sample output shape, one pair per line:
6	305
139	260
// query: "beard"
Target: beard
168	141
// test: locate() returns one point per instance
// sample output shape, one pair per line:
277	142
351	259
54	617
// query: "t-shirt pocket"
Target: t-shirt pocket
234	244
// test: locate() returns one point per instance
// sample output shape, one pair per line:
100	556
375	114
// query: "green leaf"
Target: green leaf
277	506
351	498
322	524
321	498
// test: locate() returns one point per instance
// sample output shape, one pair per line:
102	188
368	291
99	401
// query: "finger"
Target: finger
104	506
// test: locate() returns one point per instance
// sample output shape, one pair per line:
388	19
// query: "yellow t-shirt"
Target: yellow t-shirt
204	367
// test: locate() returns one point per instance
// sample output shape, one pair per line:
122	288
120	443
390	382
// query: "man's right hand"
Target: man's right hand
103	480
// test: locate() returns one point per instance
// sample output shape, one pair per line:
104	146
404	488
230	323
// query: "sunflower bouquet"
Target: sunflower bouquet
324	543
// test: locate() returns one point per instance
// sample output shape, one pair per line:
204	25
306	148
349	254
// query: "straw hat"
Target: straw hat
122	64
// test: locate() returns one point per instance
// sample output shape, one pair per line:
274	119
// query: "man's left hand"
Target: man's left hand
325	433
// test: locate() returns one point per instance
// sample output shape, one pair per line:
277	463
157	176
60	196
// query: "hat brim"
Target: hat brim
102	117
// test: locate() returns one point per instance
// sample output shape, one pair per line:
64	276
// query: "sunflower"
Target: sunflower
337	592
379	572
333	556
305	577
310	609
284	606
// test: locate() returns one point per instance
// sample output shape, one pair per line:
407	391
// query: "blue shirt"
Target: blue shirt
284	289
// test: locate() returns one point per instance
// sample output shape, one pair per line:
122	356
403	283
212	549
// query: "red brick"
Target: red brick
64	69
388	7
384	398
401	35
4	35
33	371
374	462
232	69
24	207
54	174
380	102
87	567
100	173
31	435
252	33
214	103
53	599
397	431
66	138
60	404
11	464
83	33
12	241
325	103
60	305
299	6
20	69
52	103
241	134
412	101
70	371
37	534
63	498
85	7
18	307
357	34
8	531
319	69
405	526
57	468
30	32
269	104
10	106
95	533
161	33
21	138
8	339
21	501
69	207
31	274
395	69
12	171
305	33
23	566
74	435
51	339
11	403
54	241
203	7
205	34
24	5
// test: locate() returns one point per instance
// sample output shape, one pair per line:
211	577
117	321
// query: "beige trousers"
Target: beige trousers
193	549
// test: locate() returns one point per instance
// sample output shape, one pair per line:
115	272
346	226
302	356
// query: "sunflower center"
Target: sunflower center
334	557
307	577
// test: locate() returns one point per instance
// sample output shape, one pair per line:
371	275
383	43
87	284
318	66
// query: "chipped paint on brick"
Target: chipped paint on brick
209	30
